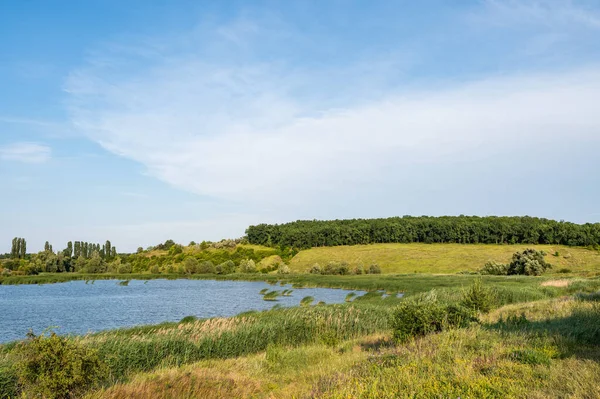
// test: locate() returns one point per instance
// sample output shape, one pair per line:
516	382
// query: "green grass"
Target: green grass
442	258
555	353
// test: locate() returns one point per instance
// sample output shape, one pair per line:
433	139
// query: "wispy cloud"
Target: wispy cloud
25	152
267	132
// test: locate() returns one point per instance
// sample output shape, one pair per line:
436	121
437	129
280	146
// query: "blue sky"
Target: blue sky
139	121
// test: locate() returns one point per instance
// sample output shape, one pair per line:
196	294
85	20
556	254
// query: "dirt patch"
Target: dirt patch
556	283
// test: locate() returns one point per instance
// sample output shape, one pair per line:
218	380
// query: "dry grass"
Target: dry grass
443	258
279	373
556	283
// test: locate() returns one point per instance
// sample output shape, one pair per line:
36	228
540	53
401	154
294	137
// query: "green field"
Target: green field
443	258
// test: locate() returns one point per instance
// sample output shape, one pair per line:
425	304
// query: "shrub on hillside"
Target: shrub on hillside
247	266
225	267
190	265
426	316
125	268
316	269
283	269
57	367
336	268
494	268
206	267
374	269
529	262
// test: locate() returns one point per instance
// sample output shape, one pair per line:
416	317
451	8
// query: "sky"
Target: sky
145	120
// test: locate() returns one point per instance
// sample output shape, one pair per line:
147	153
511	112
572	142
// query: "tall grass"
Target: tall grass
127	351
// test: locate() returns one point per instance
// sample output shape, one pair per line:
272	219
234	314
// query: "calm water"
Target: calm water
77	307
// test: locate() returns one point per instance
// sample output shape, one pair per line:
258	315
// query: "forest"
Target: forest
426	229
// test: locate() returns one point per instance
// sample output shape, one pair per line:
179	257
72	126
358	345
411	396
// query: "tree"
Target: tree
113	253
47	246
23	247
14	249
77	249
108	248
190	265
68	252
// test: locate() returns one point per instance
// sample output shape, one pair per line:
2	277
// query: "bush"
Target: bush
421	317
190	265
478	298
155	269
225	267
8	382
57	367
494	268
316	269
358	270
336	268
206	267
125	268
529	262
283	269
247	266
374	269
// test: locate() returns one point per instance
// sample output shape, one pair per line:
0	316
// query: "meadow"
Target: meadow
444	258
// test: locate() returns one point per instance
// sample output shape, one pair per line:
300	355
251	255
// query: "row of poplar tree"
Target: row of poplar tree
75	249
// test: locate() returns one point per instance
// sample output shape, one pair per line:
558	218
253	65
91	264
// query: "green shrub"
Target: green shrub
125	268
155	269
494	268
374	269
421	317
283	269
247	266
56	367
190	265
206	267
8	382
478	298
529	262
316	269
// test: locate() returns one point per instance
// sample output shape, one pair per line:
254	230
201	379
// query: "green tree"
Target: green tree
108	248
23	248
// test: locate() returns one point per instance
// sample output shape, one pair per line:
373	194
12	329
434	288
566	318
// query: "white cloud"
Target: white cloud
25	152
232	133
269	133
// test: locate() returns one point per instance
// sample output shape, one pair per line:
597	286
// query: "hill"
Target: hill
443	258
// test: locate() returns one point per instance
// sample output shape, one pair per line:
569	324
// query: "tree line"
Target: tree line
426	229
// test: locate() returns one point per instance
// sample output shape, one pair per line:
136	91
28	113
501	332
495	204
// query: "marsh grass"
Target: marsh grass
271	295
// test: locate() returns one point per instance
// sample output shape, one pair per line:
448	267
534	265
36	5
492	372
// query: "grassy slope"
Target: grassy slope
442	258
491	360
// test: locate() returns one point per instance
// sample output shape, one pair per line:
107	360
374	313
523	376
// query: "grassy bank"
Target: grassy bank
443	258
551	349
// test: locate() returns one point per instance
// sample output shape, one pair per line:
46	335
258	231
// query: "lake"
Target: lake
78	308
